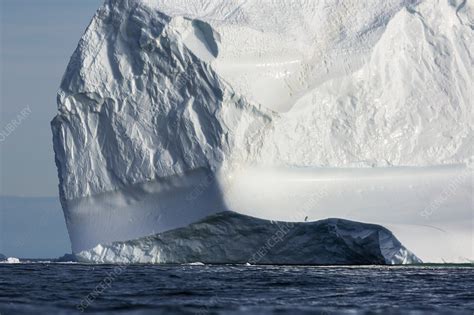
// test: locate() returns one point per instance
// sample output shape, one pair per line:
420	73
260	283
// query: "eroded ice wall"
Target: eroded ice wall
159	95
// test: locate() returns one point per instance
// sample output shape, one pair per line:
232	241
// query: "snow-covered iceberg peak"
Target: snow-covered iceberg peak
163	101
228	237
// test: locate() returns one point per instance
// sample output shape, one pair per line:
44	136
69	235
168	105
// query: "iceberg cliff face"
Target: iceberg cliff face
229	237
164	101
136	104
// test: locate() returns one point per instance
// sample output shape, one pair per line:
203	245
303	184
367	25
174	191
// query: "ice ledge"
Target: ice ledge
229	237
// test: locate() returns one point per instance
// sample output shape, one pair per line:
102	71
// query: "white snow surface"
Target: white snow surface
162	97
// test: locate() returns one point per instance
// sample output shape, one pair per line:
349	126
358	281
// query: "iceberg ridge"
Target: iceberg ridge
229	237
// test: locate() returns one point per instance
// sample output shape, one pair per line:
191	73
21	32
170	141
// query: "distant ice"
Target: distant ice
10	260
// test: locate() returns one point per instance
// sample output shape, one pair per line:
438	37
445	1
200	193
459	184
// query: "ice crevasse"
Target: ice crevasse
172	111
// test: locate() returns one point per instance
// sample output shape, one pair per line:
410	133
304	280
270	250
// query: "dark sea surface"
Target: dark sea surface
52	288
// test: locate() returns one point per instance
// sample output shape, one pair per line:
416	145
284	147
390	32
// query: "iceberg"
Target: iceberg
229	237
172	111
12	260
9	260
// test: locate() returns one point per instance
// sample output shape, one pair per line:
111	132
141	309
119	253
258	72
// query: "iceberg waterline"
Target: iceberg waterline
163	101
229	237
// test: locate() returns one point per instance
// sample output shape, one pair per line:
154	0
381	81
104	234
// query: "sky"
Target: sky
37	39
32	227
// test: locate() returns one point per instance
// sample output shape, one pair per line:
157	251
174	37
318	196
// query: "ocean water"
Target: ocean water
53	288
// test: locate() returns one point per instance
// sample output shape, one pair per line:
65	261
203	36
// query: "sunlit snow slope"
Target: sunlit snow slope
166	106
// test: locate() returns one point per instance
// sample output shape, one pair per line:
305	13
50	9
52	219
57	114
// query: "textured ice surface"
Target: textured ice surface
228	237
137	104
163	101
